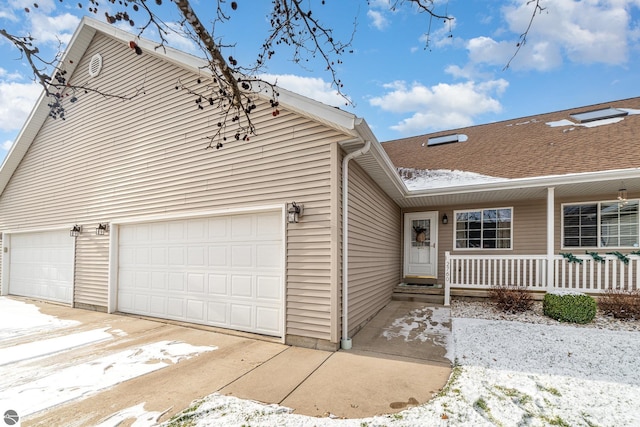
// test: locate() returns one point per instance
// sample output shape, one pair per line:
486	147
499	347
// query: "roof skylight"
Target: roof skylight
605	113
447	139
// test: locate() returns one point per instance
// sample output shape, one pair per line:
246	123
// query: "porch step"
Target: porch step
421	293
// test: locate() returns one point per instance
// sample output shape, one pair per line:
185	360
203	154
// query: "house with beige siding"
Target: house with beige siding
120	208
547	202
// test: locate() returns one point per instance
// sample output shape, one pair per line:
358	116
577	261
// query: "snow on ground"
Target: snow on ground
507	373
431	324
31	382
18	319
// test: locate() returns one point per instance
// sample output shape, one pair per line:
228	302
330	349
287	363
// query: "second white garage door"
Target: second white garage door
41	265
222	271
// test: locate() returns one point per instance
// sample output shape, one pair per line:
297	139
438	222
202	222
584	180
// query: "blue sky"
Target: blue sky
578	53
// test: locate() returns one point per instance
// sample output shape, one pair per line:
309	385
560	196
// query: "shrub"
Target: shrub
569	307
620	304
511	299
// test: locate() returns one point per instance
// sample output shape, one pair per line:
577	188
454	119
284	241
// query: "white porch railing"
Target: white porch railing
583	273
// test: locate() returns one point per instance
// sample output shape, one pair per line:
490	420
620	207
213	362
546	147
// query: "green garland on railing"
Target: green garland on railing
634	253
621	257
595	256
571	257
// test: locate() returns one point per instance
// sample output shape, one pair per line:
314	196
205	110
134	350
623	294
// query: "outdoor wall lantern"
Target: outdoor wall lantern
294	212
75	230
445	219
622	195
102	228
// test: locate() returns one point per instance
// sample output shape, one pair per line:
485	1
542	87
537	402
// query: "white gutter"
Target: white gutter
518	183
345	342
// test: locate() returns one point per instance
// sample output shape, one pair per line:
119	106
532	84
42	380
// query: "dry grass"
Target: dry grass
621	304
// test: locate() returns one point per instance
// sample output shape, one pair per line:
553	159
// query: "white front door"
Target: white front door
420	244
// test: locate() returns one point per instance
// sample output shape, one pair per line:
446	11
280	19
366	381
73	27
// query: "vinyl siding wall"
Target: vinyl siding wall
374	247
92	269
116	159
529	230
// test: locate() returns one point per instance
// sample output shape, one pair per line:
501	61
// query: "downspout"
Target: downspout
345	342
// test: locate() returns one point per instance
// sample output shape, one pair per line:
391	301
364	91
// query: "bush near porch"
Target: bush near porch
569	307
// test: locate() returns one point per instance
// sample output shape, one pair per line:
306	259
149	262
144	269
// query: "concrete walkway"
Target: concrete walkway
398	360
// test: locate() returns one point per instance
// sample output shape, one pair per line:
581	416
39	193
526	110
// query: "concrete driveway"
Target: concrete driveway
398	360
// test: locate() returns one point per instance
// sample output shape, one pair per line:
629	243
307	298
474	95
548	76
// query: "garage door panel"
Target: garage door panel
267	319
241	286
218	284
41	265
177	281
268	256
158	305
217	313
241	256
195	283
175	308
195	310
196	256
241	316
268	288
223	271
218	256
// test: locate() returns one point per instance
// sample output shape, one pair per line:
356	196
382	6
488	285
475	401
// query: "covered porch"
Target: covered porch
542	251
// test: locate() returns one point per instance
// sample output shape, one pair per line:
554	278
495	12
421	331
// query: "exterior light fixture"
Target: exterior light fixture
445	219
75	230
294	212
102	228
622	196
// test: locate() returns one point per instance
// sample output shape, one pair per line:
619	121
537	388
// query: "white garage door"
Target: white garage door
222	271
41	265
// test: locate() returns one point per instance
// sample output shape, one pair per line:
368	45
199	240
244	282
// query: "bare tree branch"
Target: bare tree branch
522	40
230	88
55	84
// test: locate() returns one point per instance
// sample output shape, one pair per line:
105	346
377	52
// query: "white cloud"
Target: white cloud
378	20
53	28
443	106
6	75
582	31
311	87
381	4
5	146
16	102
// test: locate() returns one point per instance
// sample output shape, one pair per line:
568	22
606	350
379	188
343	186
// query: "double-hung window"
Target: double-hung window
601	225
484	229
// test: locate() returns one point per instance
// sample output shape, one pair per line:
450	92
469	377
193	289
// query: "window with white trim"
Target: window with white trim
601	225
484	229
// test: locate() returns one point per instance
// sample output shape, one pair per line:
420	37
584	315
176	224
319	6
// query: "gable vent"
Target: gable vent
95	66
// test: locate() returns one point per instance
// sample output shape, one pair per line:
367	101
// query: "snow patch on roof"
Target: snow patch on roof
420	179
565	122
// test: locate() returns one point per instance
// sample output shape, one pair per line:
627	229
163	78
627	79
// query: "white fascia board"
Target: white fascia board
332	116
542	181
381	157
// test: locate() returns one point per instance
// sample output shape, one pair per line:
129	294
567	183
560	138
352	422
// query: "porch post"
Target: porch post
447	278
550	236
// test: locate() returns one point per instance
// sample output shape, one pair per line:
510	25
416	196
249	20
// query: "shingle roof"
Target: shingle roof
529	147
